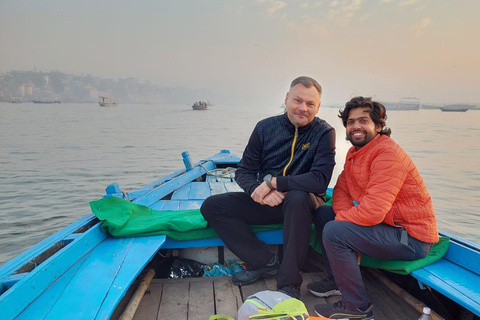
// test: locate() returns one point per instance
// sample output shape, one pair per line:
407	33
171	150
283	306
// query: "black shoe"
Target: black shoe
324	288
338	310
291	290
250	276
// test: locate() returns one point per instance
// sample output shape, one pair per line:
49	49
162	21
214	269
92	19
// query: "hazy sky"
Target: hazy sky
250	50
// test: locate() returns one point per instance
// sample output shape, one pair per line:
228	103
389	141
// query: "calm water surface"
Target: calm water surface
56	158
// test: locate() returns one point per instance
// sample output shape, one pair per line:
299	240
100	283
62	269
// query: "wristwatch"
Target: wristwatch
268	181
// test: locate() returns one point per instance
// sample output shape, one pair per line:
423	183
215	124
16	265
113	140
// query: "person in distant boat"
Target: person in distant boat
380	208
284	172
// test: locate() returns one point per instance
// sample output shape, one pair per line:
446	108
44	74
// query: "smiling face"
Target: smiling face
302	104
360	127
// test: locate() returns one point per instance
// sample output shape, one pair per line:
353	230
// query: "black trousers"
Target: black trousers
232	213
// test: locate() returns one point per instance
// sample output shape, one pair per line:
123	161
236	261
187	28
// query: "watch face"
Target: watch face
268	177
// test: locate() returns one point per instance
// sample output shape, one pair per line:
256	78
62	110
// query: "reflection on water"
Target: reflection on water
57	158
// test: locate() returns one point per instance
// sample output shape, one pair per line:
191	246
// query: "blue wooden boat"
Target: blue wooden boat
81	272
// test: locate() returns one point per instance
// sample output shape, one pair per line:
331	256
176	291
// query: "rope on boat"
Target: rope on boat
126	195
225	173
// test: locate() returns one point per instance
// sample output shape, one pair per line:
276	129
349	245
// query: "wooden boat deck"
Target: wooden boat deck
199	298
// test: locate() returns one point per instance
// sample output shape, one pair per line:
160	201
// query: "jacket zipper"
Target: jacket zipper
293	151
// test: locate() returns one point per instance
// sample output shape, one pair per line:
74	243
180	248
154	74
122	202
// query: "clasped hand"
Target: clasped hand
265	196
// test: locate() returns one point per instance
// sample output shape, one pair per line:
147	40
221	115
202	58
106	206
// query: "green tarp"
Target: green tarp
122	218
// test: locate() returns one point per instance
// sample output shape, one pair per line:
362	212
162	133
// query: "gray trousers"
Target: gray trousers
341	240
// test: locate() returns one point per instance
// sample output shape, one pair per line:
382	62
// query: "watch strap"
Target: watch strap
269	184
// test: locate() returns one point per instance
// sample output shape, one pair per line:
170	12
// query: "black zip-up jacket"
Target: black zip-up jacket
300	161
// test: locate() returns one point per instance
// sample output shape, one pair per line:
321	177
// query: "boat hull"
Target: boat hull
46	102
454	110
200	105
107	104
62	265
459	107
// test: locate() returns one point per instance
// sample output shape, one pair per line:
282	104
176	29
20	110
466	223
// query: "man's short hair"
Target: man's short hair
378	113
307	82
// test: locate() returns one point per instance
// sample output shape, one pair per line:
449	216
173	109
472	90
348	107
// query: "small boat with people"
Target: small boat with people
199	105
138	252
107	102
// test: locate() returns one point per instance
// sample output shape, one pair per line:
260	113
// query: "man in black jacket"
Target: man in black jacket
284	172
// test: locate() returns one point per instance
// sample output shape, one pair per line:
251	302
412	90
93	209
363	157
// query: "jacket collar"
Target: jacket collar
291	127
353	152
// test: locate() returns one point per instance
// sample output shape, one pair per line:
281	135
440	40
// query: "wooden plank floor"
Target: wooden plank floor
199	298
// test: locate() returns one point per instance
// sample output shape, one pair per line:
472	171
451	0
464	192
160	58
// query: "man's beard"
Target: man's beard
357	143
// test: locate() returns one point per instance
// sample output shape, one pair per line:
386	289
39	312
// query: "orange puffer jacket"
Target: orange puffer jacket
388	188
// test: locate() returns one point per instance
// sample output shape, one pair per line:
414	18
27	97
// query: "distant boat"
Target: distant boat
407	103
199	105
456	107
444	109
46	101
14	100
107	102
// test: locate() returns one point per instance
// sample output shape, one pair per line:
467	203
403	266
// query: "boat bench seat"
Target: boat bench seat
191	196
456	276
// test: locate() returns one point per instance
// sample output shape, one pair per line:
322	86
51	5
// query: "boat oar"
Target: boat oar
132	305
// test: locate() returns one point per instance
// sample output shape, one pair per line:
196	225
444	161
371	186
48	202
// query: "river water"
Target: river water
56	158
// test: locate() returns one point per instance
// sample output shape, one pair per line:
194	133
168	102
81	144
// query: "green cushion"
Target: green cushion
405	267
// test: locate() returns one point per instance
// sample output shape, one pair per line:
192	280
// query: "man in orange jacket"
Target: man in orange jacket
381	208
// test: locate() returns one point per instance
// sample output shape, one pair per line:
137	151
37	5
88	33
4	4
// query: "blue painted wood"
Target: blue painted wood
175	205
143	249
158	193
225	157
98	271
182	192
217	187
113	188
96	285
456	275
199	191
222	158
190	204
223	179
453	281
12	280
40	307
233	187
269	237
201	243
11	266
167	205
193	191
31	286
467	257
187	161
210	178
